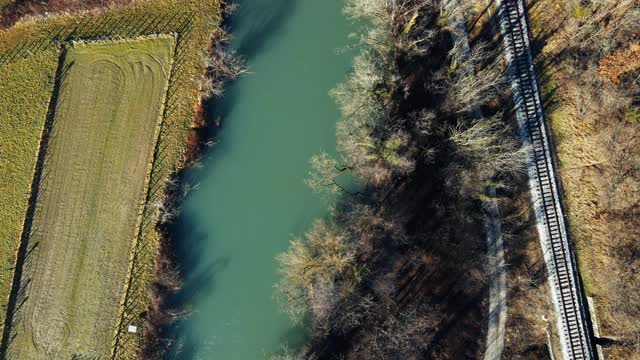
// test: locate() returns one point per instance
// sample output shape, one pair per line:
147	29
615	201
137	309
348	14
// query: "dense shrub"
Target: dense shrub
417	160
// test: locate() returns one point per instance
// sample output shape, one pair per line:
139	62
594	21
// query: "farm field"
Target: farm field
27	81
87	209
29	58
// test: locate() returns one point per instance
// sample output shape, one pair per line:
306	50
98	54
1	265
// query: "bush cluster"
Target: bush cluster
415	156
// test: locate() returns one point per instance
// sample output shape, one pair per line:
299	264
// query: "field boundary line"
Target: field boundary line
141	213
148	214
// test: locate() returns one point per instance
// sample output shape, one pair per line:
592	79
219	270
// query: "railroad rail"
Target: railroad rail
572	315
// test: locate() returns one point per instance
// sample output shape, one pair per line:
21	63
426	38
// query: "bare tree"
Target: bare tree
489	144
324	173
287	354
396	25
623	145
361	99
456	13
474	80
311	265
592	22
221	65
402	336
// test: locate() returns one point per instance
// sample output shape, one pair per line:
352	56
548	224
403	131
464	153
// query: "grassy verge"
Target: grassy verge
28	53
103	135
531	315
26	81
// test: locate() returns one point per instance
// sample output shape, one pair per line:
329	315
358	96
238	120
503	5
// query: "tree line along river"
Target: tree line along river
251	198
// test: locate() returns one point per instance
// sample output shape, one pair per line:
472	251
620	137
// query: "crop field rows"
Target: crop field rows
107	113
128	278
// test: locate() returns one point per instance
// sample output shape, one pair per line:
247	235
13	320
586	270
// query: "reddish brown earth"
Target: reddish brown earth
21	8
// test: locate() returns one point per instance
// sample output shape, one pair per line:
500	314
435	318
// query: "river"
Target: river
250	196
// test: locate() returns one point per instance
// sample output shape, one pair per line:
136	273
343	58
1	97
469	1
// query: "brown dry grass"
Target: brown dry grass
592	133
530	314
620	62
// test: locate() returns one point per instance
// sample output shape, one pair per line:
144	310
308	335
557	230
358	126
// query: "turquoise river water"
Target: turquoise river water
251	198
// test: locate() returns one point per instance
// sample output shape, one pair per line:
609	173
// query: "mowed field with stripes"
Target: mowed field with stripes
87	207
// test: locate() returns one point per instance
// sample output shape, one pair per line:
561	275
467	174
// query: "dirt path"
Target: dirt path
497	318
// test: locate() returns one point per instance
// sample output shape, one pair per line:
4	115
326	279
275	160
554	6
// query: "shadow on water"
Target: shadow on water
256	22
198	280
296	337
253	25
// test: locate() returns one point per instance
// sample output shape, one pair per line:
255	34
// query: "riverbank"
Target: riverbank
161	316
399	269
247	195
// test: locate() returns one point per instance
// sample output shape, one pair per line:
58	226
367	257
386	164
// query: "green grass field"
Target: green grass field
25	91
29	53
104	131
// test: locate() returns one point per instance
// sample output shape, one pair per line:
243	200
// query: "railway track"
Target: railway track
571	313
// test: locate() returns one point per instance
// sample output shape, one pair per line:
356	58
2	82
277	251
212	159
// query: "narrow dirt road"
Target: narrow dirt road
497	318
498	281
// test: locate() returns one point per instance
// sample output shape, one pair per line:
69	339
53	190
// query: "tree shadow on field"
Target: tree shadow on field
19	286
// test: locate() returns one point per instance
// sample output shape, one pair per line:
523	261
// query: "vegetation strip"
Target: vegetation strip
28	223
399	269
26	81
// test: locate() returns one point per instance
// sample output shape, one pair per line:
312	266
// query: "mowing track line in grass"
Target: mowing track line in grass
107	119
35	42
